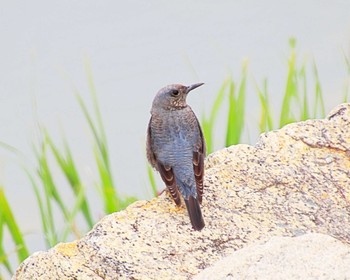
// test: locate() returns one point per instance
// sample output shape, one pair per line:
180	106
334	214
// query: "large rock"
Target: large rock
293	181
309	256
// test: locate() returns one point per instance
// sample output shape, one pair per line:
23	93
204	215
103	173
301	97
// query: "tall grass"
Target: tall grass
45	183
67	165
296	90
236	111
208	122
8	222
298	103
112	200
265	121
49	196
231	97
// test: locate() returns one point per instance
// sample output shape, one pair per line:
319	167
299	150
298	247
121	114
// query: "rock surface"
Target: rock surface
293	181
310	256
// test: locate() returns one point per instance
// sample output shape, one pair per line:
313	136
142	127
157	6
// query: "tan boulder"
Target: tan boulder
294	181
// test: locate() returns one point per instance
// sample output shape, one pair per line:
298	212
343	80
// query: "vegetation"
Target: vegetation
231	98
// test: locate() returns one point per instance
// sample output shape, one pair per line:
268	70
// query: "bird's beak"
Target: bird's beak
191	87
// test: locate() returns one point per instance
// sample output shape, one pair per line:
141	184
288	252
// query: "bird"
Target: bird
176	148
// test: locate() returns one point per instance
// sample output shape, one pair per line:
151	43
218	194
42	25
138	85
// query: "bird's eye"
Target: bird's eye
175	92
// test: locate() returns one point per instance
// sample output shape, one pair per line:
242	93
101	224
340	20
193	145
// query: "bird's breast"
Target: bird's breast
174	134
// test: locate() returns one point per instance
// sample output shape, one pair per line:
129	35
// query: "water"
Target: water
135	48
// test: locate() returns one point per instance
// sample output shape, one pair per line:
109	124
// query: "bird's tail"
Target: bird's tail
195	213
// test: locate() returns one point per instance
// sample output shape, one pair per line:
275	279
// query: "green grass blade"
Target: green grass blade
69	170
266	122
126	202
9	220
3	255
50	195
89	120
208	123
291	88
218	102
236	112
241	103
9	147
99	124
319	103
70	225
46	214
305	106
98	115
46	177
109	194
231	122
113	201
208	133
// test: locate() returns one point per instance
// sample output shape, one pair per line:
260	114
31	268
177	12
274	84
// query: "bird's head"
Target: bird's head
172	97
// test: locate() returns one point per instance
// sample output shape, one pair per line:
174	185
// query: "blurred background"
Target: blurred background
133	48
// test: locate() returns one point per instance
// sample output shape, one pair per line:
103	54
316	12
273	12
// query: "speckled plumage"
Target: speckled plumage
176	148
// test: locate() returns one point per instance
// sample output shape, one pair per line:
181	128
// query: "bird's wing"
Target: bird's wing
166	172
150	154
198	163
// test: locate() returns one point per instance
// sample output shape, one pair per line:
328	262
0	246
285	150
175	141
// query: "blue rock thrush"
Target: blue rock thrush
176	148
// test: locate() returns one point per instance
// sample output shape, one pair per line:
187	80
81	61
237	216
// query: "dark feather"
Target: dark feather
168	177
198	165
195	213
150	154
